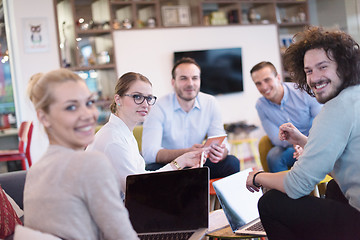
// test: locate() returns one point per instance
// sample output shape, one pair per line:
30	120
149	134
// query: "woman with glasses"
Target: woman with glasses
131	104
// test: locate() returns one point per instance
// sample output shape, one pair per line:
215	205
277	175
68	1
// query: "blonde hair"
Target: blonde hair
124	83
40	86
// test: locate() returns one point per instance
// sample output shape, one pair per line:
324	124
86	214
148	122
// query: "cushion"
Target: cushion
8	216
22	233
18	210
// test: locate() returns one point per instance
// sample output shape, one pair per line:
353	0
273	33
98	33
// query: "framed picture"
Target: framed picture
176	16
36	35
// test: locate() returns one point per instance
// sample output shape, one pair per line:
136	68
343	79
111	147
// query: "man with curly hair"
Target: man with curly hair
326	64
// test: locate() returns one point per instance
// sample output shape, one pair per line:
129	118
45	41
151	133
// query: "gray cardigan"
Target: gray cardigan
75	195
332	147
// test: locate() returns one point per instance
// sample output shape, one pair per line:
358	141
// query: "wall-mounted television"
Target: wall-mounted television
221	69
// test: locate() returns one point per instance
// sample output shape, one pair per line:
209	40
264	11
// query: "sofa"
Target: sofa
13	184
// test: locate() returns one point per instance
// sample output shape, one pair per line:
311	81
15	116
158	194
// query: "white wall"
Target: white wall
343	14
353	18
25	64
313	12
150	52
332	13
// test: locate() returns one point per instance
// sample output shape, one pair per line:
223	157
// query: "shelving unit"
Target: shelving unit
220	13
86	26
135	14
85	35
86	42
292	16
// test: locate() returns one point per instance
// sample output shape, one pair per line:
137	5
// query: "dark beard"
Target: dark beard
333	95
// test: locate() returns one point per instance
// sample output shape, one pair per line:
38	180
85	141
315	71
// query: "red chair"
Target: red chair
4	122
214	203
23	153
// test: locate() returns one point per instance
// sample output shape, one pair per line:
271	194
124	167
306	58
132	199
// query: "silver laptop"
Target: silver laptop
239	204
174	204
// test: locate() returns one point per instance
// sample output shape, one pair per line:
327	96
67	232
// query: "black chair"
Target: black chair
13	183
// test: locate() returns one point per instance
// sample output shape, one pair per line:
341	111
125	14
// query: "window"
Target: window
7	106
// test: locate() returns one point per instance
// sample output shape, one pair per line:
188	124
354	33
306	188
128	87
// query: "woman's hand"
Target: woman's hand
190	159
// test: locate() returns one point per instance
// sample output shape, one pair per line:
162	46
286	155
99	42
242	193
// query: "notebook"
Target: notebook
218	140
169	202
239	204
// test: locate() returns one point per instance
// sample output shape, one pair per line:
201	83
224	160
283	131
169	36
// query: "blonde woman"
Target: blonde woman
71	193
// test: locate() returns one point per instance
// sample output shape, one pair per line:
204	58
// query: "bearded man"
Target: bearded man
180	121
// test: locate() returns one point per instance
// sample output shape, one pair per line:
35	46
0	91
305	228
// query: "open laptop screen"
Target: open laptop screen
168	201
239	204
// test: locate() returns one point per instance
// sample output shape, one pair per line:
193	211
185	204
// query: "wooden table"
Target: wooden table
219	228
227	233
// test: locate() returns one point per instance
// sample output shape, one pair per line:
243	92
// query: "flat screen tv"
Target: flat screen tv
221	69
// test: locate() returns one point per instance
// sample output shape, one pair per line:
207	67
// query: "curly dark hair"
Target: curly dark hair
339	47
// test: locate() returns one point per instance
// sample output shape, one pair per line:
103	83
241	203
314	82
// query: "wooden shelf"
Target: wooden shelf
295	24
290	16
135	14
94	67
93	32
136	2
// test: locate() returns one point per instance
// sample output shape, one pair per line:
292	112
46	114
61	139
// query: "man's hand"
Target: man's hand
288	132
249	182
195	147
298	151
217	153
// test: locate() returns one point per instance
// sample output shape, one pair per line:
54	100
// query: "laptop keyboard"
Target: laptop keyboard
256	227
167	236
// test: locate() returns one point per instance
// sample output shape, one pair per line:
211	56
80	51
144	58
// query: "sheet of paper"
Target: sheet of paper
202	159
217	220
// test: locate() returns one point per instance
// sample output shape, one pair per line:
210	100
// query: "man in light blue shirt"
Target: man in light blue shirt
180	121
281	103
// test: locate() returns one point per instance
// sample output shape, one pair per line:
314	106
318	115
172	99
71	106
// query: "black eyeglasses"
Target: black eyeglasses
139	99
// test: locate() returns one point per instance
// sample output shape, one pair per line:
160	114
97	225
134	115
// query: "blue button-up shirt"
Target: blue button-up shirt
297	107
168	126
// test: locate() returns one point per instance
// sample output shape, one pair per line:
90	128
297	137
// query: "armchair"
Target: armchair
138	135
23	151
264	147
